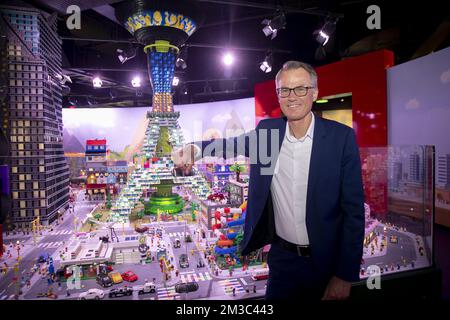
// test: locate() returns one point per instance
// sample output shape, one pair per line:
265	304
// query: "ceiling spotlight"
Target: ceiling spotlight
136	82
175	81
228	59
97	82
67	78
62	78
273	26
182	58
125	55
323	38
266	65
185	90
323	34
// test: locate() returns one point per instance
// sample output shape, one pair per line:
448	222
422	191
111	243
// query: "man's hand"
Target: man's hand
337	289
183	159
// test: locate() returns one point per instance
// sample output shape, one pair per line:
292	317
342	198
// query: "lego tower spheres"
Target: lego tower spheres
162	27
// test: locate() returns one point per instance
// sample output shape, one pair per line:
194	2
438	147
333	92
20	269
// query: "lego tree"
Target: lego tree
237	168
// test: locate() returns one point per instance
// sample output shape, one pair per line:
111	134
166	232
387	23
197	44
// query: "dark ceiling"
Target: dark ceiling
409	30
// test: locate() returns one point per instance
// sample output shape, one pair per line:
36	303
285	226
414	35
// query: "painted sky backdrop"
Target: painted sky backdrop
122	127
419	103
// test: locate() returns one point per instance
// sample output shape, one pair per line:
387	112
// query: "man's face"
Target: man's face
294	107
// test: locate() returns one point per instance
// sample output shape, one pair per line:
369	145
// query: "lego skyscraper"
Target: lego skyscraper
32	118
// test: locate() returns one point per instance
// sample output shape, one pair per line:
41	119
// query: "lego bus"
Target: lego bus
260	274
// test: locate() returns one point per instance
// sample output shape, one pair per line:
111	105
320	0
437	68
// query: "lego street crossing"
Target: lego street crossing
229	284
167	294
195	277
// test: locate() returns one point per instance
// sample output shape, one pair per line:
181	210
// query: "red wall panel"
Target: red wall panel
363	76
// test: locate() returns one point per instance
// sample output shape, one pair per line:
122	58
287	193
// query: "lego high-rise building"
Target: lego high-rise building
39	175
397	176
415	167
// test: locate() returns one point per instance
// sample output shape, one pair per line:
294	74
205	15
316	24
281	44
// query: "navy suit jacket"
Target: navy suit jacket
335	196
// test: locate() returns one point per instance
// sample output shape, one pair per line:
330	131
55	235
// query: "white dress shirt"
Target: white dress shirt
290	185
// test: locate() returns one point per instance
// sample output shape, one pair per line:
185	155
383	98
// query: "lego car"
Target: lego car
129	276
183	260
92	294
186	287
148	287
103	280
177	243
116	277
120	292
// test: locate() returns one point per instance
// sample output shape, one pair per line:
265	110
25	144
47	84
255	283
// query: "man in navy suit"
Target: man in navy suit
305	192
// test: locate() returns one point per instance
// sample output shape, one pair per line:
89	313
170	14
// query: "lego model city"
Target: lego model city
137	230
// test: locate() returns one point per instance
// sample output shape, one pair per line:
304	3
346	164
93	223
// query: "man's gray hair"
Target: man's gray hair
292	65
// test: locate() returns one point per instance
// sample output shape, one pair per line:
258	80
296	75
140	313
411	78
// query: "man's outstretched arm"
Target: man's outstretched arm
185	157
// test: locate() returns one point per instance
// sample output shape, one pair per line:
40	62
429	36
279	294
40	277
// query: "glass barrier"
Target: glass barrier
399	208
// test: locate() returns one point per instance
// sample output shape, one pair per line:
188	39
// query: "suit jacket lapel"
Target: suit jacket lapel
318	147
266	180
282	132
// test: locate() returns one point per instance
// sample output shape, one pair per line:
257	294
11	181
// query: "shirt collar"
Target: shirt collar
309	132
